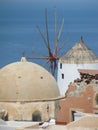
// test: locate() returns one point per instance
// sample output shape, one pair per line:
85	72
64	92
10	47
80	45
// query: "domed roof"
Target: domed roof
26	81
79	54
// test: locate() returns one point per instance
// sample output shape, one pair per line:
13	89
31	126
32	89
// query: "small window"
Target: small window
60	65
96	98
62	76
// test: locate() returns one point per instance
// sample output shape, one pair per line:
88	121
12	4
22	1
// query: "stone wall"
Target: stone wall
25	111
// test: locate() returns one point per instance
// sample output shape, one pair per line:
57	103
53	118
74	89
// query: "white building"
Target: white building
78	57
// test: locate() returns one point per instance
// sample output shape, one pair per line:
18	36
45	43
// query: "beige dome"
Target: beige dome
26	81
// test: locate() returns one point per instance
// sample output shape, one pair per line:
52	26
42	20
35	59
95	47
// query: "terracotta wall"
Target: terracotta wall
84	102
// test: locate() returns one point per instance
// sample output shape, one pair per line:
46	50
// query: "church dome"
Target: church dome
26	81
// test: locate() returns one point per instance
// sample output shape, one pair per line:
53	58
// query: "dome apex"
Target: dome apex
23	59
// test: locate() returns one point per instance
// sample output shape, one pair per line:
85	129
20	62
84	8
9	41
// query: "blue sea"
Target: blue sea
19	20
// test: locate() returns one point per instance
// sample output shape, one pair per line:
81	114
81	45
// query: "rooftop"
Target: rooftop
79	54
87	122
87	71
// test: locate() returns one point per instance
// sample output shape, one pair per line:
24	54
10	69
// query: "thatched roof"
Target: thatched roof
79	54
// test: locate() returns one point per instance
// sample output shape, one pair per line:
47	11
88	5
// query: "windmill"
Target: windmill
52	57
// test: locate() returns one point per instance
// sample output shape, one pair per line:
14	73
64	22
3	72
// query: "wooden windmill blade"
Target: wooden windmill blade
57	37
43	37
60	31
47	42
39	54
63	45
55	27
44	65
47	33
52	57
37	58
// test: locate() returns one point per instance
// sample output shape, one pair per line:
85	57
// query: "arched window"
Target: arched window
4	115
36	116
96	98
6	118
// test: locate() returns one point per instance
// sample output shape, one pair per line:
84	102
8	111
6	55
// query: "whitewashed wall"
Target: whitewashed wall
70	73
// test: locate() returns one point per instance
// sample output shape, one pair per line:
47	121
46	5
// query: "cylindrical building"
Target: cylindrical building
78	57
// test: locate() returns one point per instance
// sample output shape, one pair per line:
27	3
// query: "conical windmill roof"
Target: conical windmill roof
79	54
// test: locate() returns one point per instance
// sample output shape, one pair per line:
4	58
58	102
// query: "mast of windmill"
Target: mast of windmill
52	57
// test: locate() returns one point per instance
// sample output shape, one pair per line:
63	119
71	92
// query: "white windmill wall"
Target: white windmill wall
78	57
69	72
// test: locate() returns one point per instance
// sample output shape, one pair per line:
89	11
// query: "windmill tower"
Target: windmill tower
78	57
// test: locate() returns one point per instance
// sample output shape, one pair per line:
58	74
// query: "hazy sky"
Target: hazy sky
70	5
81	18
78	8
83	9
